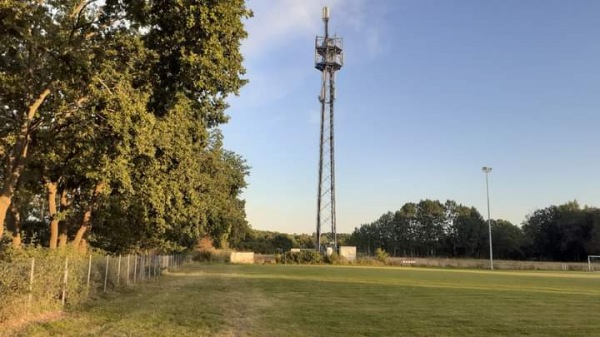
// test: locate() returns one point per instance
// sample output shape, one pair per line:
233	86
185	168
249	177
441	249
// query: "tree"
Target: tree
592	246
507	240
430	219
114	108
432	228
467	234
561	233
542	233
405	229
45	61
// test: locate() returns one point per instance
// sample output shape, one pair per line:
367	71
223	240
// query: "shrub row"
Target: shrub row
211	255
20	296
86	276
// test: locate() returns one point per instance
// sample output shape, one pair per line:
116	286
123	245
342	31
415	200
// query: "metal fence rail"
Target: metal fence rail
49	283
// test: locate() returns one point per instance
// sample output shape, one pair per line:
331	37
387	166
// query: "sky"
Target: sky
430	92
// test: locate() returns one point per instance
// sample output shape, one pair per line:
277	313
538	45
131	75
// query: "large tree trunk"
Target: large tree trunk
65	204
85	225
15	161
16	241
87	215
51	187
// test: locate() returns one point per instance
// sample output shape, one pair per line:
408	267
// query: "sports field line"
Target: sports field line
535	273
399	282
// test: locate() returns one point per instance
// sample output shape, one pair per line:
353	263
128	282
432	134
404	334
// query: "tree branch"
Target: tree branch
33	108
103	84
80	6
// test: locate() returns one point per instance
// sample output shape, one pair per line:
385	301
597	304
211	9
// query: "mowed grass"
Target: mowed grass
285	300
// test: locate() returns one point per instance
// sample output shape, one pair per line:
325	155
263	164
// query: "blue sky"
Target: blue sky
430	92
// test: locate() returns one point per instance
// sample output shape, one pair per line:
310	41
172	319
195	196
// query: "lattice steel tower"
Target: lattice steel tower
329	58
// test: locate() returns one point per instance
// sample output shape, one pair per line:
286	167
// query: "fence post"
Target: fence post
89	271
153	259
64	292
135	268
154	266
106	273
119	271
151	271
127	282
30	297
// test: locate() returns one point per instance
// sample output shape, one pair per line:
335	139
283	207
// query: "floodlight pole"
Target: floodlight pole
487	170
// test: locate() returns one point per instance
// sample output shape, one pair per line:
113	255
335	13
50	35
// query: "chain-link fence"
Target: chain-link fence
49	283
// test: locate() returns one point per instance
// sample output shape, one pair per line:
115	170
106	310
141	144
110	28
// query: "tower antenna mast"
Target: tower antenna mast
329	58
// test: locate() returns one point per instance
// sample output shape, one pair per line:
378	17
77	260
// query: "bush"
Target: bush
211	255
48	285
301	257
382	255
334	258
368	261
205	243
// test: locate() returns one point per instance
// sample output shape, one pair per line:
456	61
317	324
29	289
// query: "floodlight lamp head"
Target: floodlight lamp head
325	13
486	169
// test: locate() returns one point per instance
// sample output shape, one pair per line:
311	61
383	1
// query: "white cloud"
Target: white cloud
277	22
281	33
270	84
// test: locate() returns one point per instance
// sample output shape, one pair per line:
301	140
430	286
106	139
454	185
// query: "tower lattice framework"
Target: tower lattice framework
329	58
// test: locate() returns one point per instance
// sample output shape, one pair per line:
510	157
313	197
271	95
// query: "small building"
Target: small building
348	253
241	257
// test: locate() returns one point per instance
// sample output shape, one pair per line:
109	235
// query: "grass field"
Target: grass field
285	300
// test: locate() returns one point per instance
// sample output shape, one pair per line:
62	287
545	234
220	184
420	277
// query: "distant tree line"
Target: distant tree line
431	228
266	242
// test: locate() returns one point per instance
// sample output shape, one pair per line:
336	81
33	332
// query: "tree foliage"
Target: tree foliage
110	111
265	242
430	228
566	232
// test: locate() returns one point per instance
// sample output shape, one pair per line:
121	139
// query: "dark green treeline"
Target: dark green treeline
431	228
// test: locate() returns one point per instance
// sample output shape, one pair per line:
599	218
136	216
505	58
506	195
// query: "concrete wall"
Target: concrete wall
329	251
239	257
348	253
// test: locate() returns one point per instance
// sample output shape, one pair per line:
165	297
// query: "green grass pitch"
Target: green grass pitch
287	300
